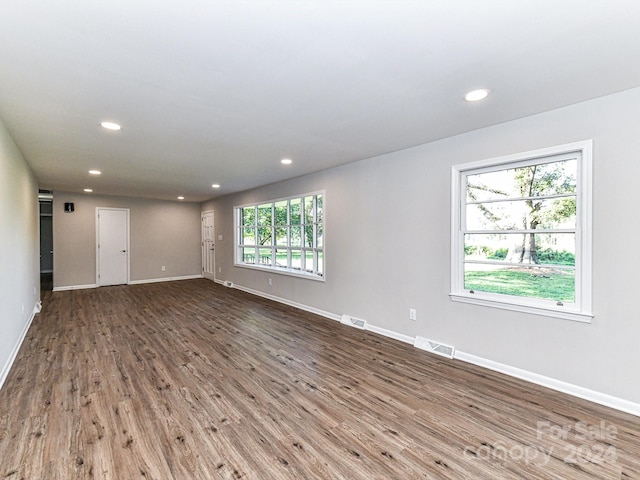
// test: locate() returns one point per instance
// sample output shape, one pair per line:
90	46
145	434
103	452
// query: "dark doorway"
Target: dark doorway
46	240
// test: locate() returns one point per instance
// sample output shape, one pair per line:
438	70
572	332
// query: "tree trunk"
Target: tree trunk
525	250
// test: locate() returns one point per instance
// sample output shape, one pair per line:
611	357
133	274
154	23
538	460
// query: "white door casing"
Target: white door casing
112	250
208	246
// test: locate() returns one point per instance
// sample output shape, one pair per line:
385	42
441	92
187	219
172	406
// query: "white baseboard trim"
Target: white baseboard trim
74	287
390	333
14	353
564	387
332	316
297	305
132	282
575	390
164	279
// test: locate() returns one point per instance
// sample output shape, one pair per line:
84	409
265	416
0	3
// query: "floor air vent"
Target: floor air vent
434	347
353	322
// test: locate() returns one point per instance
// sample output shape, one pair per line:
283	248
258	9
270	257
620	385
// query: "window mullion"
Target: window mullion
518	199
537	231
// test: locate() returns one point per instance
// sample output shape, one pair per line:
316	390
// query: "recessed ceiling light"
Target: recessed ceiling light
180	198
477	95
286	161
215	185
110	126
88	190
95	172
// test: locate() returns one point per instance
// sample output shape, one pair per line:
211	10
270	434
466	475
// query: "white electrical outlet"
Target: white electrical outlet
219	269
162	268
270	282
219	237
412	314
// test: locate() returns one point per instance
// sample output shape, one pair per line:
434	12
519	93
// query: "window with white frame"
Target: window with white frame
286	235
521	232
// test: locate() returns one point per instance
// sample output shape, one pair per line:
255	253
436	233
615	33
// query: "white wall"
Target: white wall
162	233
19	249
387	248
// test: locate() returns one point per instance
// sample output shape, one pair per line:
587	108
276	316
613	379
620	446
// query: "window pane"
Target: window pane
553	213
281	213
537	266
248	215
296	236
264	235
282	257
319	208
266	256
319	235
308	236
264	214
541	248
320	262
281	236
249	255
530	181
295	210
525	281
247	236
295	259
308	264
308	210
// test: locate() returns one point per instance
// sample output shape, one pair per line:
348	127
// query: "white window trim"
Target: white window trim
281	270
580	310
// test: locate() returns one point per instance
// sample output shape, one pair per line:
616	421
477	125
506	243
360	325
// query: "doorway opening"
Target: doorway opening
45	199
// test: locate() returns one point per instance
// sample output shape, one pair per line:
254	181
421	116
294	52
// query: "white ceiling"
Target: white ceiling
219	91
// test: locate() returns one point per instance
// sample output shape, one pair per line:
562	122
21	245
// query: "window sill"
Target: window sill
536	310
281	271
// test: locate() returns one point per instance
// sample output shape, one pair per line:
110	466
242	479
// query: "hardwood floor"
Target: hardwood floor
192	380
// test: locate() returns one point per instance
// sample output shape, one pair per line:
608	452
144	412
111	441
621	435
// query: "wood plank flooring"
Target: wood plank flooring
192	380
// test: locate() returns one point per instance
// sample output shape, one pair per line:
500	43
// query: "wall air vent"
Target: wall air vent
434	347
353	322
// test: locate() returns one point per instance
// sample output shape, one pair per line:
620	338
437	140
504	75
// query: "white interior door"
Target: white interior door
208	246
113	246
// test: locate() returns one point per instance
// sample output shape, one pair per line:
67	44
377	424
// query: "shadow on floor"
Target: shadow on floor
46	282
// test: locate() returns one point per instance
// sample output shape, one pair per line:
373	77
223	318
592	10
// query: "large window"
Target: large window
286	235
521	232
